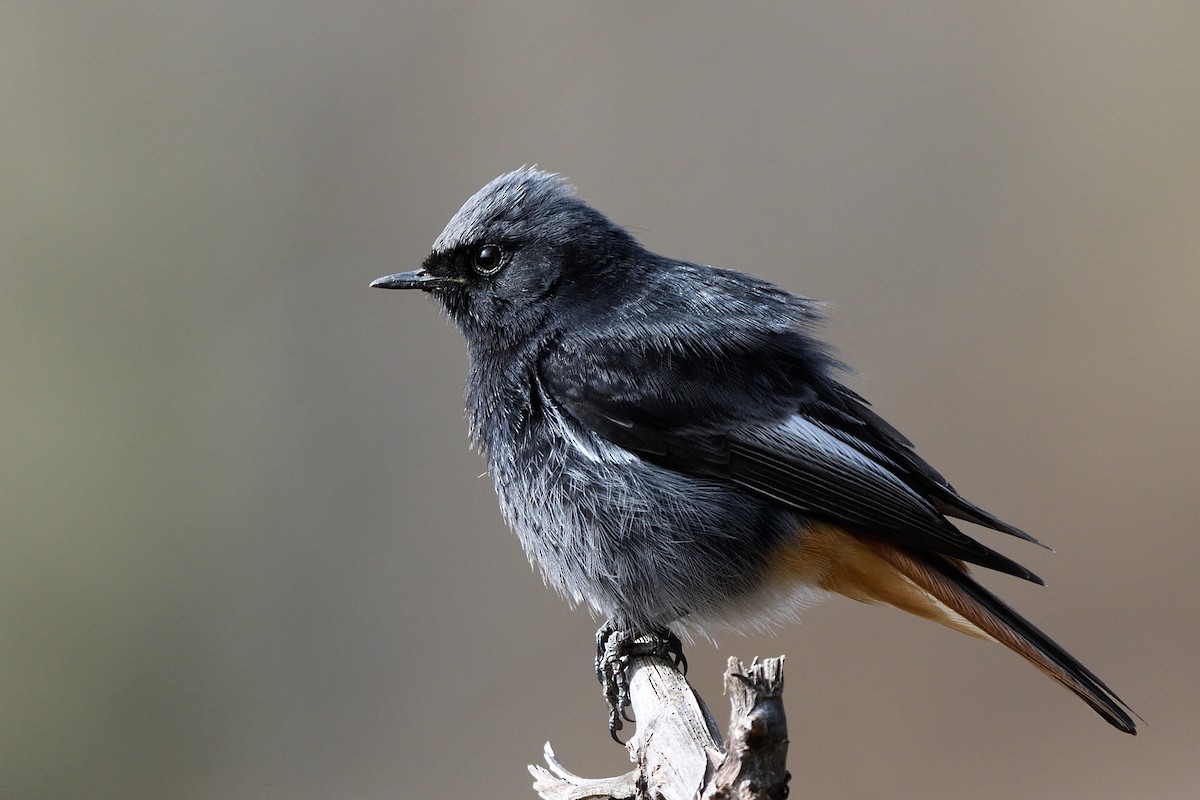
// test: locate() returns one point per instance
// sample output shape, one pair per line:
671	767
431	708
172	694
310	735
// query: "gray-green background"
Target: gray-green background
245	551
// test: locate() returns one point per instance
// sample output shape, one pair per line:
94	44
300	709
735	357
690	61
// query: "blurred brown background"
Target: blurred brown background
245	550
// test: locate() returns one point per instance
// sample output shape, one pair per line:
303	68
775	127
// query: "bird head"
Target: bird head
516	254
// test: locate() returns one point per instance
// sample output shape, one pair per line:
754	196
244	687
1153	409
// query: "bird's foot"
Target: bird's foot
614	649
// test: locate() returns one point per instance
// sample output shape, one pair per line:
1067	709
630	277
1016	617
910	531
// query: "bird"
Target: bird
673	446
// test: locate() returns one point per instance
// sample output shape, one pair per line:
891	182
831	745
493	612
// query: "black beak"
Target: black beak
417	279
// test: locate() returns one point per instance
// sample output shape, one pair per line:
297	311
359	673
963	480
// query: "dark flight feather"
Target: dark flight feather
752	403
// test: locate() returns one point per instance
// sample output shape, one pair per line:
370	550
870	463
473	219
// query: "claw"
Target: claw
614	725
672	648
614	648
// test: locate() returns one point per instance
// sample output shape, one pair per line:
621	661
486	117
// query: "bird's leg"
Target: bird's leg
612	644
615	647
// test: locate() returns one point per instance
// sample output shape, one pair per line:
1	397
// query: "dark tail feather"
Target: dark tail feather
950	584
953	505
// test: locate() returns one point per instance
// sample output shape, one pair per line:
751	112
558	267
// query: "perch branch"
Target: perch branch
677	750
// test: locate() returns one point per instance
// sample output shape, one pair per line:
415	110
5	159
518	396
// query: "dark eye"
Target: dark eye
488	259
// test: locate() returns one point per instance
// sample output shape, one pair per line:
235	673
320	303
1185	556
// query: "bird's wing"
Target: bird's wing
760	411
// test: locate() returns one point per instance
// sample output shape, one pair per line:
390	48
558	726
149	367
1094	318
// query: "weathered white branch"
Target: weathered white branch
678	750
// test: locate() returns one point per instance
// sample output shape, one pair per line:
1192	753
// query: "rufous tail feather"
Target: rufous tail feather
871	570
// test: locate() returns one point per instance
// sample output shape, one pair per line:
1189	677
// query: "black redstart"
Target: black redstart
671	444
